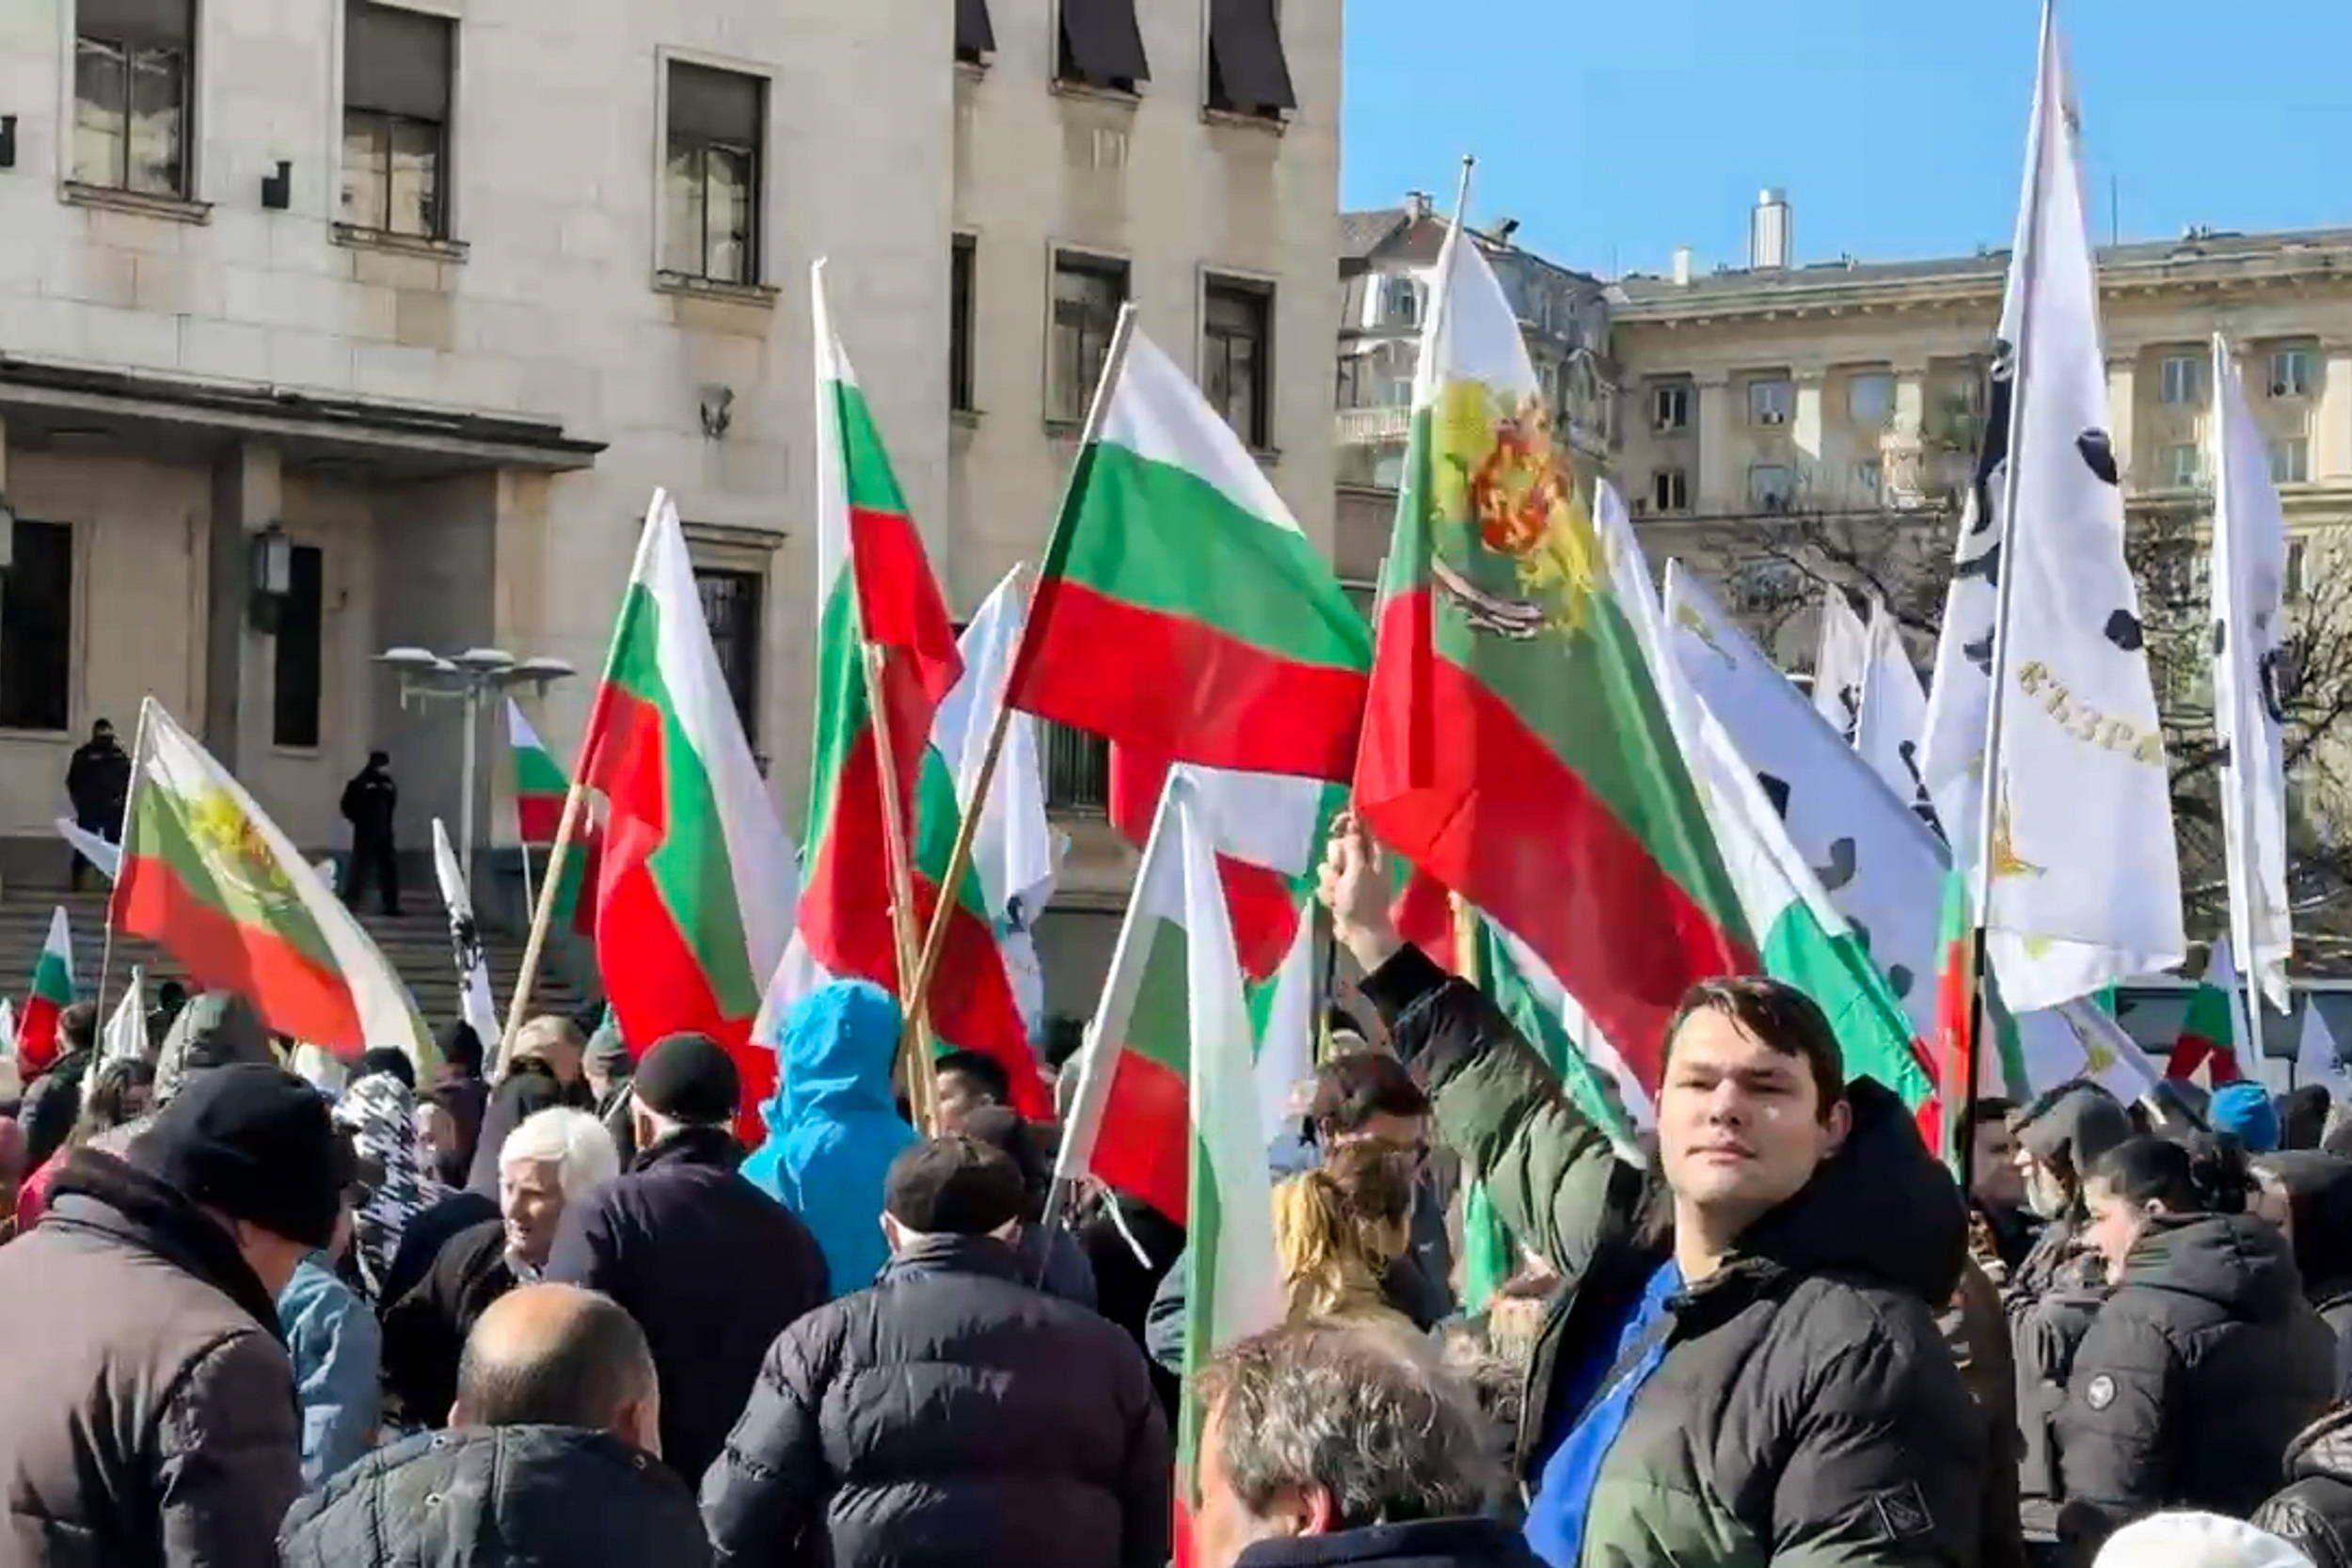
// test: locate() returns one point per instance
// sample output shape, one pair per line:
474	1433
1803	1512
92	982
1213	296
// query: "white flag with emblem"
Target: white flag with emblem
2249	570
2085	879
1893	717
1841	660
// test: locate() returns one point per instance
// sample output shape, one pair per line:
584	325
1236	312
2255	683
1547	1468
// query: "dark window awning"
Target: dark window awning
151	24
396	63
1101	44
1248	73
975	38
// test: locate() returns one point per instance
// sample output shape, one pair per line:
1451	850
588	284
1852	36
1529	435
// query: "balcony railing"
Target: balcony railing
1374	427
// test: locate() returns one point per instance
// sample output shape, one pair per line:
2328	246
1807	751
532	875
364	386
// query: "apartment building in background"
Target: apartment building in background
331	326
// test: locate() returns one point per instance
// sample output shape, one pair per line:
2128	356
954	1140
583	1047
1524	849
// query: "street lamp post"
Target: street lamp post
469	678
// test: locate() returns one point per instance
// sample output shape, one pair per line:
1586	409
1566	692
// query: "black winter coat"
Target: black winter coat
2319	1199
426	1329
2203	1365
1421	1544
950	1415
711	1268
529	1088
2315	1514
518	1497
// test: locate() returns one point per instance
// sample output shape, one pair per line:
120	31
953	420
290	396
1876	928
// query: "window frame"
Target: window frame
2193	373
1259	437
1854	382
963	291
443	225
1086	259
59	641
2297	446
1061	57
757	246
1683	393
184	188
1062	748
2303	386
1758	401
1758	502
1670	490
2174	468
751	628
281	632
1212	71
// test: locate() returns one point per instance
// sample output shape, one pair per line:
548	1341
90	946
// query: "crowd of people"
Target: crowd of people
566	1317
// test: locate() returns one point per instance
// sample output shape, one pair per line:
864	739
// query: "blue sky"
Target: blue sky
1616	131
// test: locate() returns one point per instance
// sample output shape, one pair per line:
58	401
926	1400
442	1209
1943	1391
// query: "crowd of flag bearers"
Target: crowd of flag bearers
1717	1152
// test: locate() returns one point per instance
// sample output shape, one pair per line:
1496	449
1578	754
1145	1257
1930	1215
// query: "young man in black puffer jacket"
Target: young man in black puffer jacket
552	1462
951	1415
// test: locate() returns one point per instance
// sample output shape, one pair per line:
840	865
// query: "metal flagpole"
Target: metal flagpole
1988	807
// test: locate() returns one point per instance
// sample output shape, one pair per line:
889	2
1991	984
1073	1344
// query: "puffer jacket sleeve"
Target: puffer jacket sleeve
1146	1492
2113	1455
1888	1459
763	1498
230	1466
339	1354
2301	1516
587	1247
1552	1174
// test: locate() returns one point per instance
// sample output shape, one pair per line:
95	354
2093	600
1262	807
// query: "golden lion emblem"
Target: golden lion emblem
1501	478
235	850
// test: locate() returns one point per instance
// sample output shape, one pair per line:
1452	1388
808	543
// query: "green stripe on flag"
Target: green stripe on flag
167	827
51	980
865	462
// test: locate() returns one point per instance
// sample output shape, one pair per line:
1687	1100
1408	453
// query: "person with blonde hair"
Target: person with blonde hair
1337	1229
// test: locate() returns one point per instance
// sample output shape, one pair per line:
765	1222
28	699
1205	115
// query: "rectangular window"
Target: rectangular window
1772	487
2183	382
1236	352
300	651
1087	293
731	607
710	184
396	94
976	36
1247	71
2183	465
1871	398
1766	584
1869	477
1100	45
2299	563
2293	372
961	257
2290	460
1771	400
1670	490
131	93
1670	407
1077	769
35	629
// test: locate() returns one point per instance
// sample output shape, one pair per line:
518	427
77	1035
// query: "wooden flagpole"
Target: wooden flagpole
922	1072
551	877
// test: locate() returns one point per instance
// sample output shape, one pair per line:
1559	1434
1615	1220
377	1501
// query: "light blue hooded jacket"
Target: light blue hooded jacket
833	1126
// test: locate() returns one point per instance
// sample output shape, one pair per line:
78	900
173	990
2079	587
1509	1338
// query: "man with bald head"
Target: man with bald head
551	1458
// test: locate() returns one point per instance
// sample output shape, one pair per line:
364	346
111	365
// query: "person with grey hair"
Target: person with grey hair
550	1162
1331	1444
553	1458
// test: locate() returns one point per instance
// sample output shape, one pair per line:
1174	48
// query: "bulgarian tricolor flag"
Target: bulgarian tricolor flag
695	895
540	788
1515	747
208	877
2209	1031
52	994
875	589
1168	1106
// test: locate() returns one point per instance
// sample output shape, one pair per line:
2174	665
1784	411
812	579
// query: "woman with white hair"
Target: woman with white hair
551	1161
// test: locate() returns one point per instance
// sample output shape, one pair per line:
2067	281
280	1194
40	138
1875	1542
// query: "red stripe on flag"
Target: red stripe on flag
37	1034
537	818
898	602
293	993
1263	905
1182	689
1142	1145
1453	780
2191	1051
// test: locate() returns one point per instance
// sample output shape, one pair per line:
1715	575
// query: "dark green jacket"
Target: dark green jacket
1808	1414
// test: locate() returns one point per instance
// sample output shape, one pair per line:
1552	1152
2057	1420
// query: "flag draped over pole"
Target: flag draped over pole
1841	661
465	941
695	892
1515	748
52	993
2316	1058
2208	1036
1894	715
2041	681
207	875
875	591
1168	1106
2249	568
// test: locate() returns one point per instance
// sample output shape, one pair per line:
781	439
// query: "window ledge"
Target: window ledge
964	418
175	209
308	754
39	738
401	245
1064	87
1064	430
973	70
1268	457
1273	125
760	295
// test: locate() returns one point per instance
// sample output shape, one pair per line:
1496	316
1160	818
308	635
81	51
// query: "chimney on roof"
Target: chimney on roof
1682	267
1416	206
1771	229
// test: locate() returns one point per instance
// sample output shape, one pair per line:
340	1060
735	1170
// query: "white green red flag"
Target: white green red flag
540	788
1168	1106
875	589
52	994
695	892
1180	610
1515	747
2208	1036
209	877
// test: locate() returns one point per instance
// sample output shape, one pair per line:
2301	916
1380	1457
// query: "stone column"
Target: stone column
1903	447
2331	419
2137	468
1818	479
247	495
1721	487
